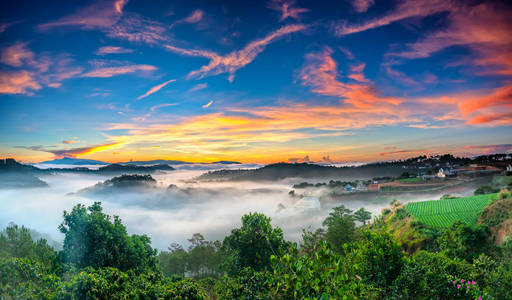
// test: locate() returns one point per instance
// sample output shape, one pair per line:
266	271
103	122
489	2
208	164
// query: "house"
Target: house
361	186
441	173
349	188
509	168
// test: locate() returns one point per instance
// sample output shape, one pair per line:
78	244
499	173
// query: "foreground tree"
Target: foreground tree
253	243
97	240
341	227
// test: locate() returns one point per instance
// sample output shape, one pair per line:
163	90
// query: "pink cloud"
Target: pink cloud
485	29
155	89
112	50
194	17
102	14
406	9
19	82
16	55
361	5
285	7
114	71
235	60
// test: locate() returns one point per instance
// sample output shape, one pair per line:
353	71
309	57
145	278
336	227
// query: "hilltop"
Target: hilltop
417	165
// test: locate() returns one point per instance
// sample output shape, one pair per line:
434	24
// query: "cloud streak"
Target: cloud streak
114	71
235	60
406	9
112	50
155	89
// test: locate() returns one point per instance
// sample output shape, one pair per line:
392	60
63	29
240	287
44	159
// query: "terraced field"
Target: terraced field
442	213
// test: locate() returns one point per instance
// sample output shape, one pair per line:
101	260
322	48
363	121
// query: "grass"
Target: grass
443	213
411	180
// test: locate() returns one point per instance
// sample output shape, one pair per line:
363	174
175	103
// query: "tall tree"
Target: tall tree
95	239
253	243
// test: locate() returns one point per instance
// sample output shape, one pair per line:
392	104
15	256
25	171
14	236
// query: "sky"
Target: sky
254	81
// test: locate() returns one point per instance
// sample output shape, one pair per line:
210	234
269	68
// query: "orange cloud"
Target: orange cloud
19	82
321	74
114	71
208	104
235	60
155	89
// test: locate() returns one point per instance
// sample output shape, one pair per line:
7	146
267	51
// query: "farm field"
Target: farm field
411	180
442	213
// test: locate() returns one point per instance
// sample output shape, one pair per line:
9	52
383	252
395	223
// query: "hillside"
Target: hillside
281	171
443	213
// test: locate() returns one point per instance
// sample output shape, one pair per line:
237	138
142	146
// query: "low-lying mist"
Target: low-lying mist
173	214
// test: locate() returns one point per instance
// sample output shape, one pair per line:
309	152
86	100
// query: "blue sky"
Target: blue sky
254	81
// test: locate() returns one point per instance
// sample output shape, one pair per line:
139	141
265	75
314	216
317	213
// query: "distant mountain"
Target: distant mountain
226	162
118	168
16	175
118	184
74	161
281	171
173	162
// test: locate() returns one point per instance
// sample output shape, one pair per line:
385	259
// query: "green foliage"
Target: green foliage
93	239
203	259
463	241
110	283
322	275
17	242
22	278
253	244
341	227
426	276
248	284
443	213
379	259
485	189
362	215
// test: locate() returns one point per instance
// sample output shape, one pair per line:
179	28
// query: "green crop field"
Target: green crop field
411	180
442	213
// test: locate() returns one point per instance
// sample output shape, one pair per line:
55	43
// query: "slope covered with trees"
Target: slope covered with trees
394	257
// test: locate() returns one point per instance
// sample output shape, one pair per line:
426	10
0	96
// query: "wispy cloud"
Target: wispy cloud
320	73
112	50
208	104
287	9
361	5
155	89
198	87
114	71
109	17
406	9
485	29
157	107
390	153
489	149
102	14
235	60
33	71
194	17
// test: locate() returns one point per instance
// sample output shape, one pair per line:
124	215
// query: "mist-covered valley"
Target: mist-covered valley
177	204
